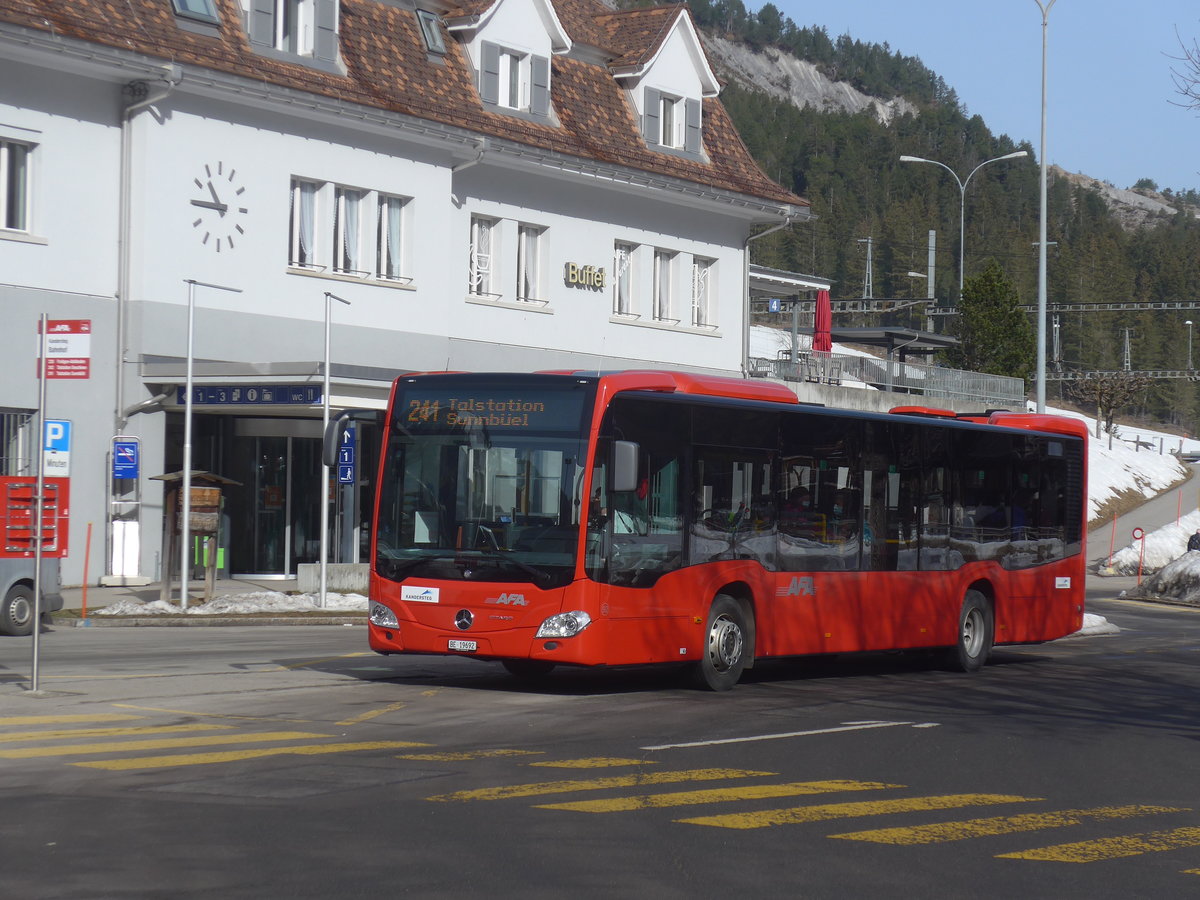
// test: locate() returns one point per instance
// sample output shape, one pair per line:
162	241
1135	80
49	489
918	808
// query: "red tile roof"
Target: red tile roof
388	68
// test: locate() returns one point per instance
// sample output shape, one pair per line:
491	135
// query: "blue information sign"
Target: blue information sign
252	395
346	463
125	457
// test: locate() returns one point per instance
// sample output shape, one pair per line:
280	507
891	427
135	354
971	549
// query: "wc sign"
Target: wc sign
56	448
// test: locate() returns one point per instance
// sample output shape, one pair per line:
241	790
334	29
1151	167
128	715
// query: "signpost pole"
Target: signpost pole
325	469
38	504
185	525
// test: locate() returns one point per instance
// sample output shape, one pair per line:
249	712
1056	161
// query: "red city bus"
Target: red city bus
652	517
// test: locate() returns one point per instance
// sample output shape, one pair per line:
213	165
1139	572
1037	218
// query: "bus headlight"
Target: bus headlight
564	625
383	617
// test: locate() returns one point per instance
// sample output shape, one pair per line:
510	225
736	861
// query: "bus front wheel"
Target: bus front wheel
725	645
16	611
975	633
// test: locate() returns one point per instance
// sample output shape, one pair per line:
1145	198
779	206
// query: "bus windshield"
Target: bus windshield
483	482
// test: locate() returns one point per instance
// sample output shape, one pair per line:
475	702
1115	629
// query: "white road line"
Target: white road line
849	726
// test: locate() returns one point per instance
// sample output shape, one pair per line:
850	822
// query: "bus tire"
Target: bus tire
16	611
975	633
528	668
725	645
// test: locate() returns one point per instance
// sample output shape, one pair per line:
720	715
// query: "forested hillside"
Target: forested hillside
847	165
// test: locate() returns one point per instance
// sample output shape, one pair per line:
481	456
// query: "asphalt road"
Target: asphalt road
289	761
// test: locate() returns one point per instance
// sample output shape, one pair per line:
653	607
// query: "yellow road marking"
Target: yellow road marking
371	714
957	831
465	755
796	815
1113	847
56	733
64	720
718	795
598	762
162	744
563	787
207	715
200	759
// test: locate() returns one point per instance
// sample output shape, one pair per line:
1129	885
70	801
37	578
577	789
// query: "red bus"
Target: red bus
613	519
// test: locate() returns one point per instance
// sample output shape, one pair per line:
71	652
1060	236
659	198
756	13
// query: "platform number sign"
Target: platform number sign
345	458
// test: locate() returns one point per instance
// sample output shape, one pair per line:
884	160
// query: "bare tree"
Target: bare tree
1109	391
1187	74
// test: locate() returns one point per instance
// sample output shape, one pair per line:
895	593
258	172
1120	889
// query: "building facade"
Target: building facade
499	185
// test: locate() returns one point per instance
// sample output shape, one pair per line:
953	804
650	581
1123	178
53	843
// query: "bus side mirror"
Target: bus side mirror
624	466
333	438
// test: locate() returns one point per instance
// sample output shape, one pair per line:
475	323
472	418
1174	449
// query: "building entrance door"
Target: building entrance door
277	524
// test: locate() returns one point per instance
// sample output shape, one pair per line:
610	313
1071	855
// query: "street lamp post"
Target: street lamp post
185	526
962	204
325	469
1040	373
1188	323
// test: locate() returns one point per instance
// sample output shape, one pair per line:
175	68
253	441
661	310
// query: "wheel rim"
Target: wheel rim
20	611
724	644
972	632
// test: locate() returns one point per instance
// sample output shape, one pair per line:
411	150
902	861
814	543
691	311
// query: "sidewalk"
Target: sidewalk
98	596
75	613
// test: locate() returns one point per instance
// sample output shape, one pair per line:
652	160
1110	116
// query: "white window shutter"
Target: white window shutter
539	95
650	118
692	134
489	73
262	23
326	47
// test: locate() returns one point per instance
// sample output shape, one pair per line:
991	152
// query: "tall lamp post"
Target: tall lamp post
962	204
1188	323
1040	373
325	469
185	526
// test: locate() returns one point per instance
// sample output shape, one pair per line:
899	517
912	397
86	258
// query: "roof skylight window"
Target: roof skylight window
201	10
432	32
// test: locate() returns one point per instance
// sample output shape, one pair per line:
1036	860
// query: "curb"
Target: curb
168	621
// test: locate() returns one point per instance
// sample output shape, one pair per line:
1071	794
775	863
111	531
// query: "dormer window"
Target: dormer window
671	122
306	28
515	80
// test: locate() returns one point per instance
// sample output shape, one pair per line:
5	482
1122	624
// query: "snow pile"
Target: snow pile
240	604
1094	624
1124	468
1163	546
1179	580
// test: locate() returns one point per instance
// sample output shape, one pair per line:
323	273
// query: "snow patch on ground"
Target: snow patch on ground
240	604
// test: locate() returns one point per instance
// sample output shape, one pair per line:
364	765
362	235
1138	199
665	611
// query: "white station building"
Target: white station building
507	185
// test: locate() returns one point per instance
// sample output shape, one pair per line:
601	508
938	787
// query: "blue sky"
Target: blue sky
1111	110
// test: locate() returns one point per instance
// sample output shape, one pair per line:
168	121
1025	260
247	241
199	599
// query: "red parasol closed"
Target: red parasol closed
822	324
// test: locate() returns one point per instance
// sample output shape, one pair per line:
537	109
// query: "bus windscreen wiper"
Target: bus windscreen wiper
396	568
540	576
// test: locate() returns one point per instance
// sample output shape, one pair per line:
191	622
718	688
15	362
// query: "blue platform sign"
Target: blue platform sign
252	395
346	461
125	457
774	305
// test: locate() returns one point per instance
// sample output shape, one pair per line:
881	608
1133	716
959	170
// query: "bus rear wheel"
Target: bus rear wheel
975	633
16	611
527	668
725	645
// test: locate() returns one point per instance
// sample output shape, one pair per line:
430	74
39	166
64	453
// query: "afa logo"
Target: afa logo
509	600
800	585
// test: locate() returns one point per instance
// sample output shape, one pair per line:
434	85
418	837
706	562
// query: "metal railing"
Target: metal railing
986	391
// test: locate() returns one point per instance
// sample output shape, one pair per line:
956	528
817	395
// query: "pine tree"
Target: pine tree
995	335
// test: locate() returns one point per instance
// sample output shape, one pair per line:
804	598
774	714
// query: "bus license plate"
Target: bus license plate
467	646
